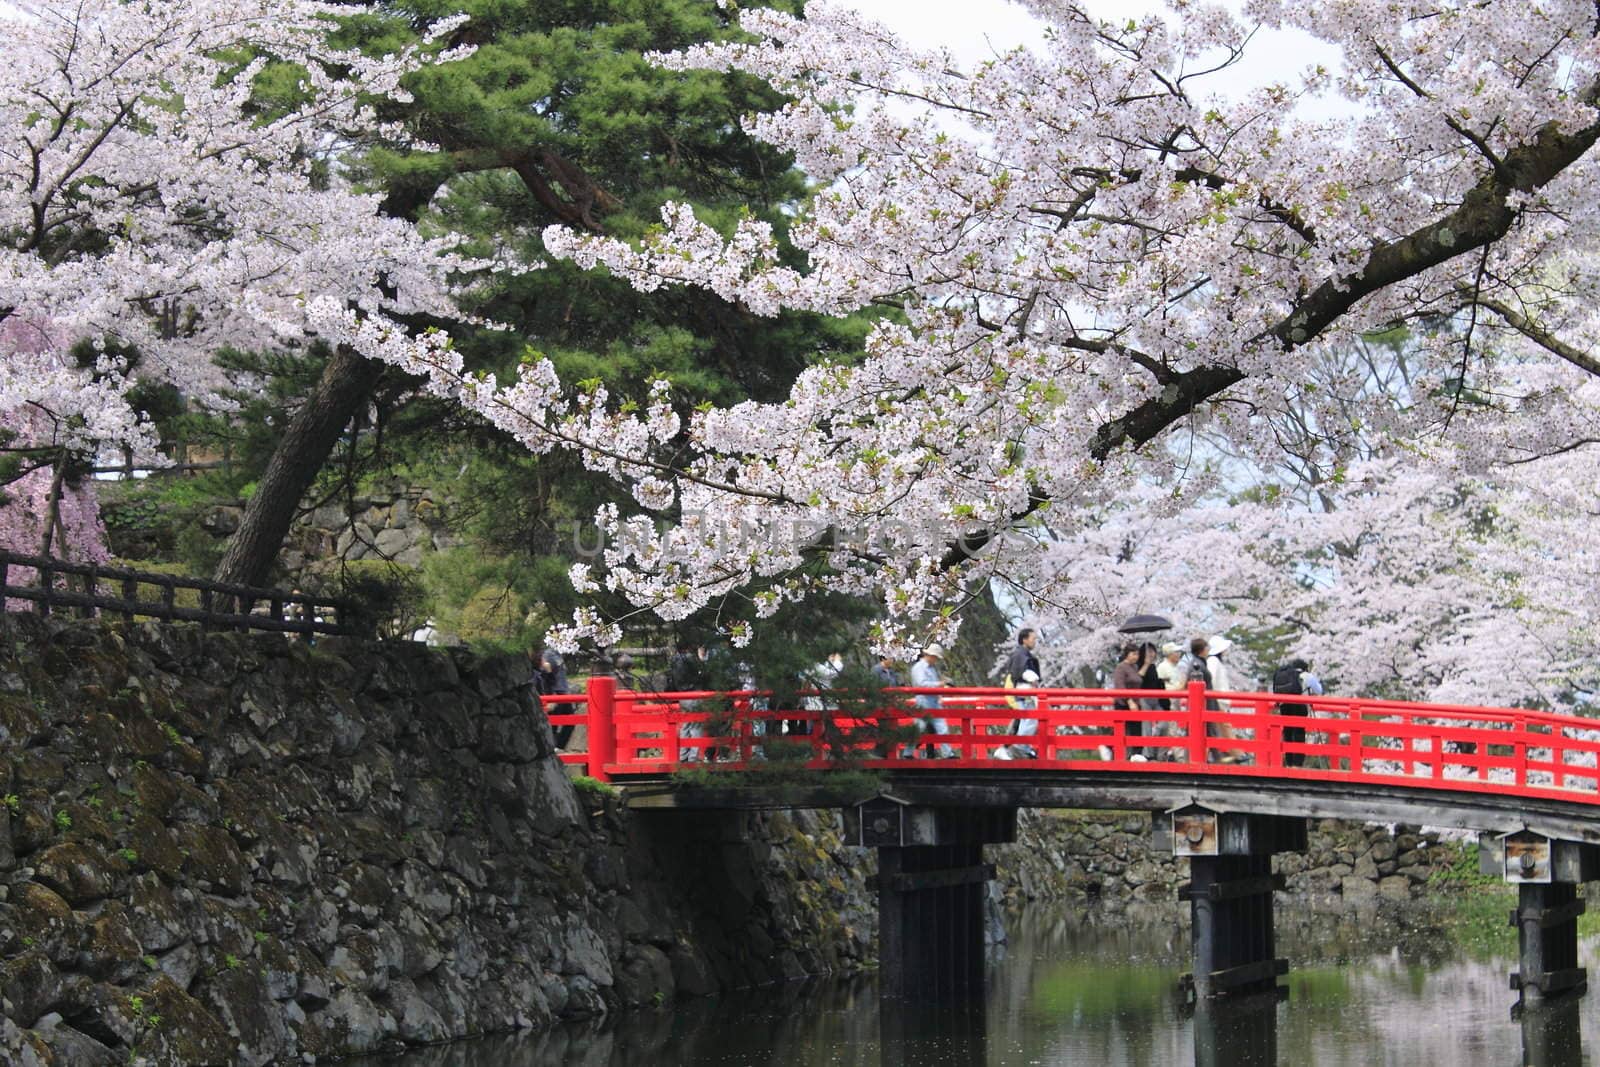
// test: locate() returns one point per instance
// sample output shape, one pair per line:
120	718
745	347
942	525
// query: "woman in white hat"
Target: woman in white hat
1222	681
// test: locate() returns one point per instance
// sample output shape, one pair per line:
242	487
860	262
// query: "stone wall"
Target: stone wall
1106	858
393	521
238	849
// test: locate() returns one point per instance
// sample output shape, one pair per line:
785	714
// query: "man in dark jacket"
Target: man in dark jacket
550	679
1022	672
686	673
885	673
1022	659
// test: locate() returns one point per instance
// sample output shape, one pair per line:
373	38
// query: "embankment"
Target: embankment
238	849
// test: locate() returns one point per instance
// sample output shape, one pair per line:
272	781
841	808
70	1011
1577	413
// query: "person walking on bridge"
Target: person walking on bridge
885	673
549	680
925	675
1295	678
686	673
1022	672
1173	679
1170	673
1127	675
1222	681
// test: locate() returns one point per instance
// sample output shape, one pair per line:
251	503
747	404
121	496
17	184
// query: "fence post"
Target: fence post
1197	723
91	583
47	589
601	724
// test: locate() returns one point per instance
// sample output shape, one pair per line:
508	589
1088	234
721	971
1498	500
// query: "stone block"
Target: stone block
1395	887
79	872
1357	888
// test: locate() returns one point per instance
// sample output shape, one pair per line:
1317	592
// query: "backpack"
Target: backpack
1287	679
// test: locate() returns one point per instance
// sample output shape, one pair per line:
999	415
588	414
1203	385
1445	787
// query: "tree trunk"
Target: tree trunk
985	635
347	382
52	508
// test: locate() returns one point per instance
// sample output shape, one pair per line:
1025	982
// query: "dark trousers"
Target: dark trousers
1294	734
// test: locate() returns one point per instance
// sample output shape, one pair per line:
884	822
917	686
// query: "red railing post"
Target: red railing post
1357	739
1519	750
1197	723
601	714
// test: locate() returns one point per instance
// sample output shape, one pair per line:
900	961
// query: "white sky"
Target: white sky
974	30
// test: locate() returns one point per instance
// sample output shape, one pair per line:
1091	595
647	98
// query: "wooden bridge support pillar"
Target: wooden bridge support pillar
930	919
1547	873
931	886
1546	919
1237	1030
1230	903
1230	891
1551	1034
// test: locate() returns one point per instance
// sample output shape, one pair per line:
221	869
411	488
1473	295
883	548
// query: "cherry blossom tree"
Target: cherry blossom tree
1411	584
151	212
1092	255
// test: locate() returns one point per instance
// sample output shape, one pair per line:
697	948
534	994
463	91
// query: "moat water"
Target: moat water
1413	986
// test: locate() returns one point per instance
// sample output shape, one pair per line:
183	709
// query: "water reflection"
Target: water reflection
1385	988
1552	1034
1238	1033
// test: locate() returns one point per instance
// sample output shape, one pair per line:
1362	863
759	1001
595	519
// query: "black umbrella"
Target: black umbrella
1144	624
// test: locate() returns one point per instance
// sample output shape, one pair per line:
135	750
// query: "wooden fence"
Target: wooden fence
89	590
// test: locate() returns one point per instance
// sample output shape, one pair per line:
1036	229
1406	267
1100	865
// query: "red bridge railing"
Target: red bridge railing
1491	750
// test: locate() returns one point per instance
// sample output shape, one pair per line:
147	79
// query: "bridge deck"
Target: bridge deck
1113	791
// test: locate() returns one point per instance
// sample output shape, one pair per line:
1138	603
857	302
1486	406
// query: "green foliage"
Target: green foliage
379	589
1462	872
594	789
489	601
13	803
150	592
63	821
128	855
142	1015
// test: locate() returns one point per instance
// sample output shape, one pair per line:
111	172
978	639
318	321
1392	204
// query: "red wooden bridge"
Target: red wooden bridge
1230	779
1357	744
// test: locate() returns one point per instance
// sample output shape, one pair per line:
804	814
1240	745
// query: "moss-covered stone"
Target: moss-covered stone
111	950
186	1034
76	870
39	769
154	791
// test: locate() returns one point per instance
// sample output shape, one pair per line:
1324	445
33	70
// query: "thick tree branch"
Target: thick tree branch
1484	216
1538	334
